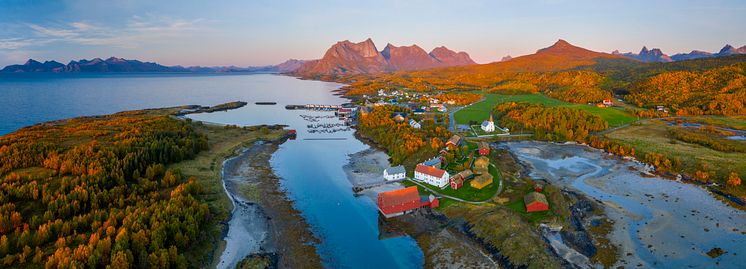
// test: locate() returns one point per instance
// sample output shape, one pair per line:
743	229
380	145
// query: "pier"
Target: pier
313	107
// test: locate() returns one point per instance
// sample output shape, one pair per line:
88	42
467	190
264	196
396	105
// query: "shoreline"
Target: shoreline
268	223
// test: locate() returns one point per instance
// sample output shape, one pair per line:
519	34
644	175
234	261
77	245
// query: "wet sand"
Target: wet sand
658	222
263	219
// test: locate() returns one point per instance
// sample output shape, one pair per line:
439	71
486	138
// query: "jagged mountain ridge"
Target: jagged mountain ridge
656	55
346	58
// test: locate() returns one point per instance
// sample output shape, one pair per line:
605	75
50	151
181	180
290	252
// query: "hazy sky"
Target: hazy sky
267	32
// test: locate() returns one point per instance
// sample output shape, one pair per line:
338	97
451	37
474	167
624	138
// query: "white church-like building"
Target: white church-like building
488	125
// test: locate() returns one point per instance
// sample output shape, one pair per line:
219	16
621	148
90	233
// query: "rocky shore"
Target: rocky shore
264	220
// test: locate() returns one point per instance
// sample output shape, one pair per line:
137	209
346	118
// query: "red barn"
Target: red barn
456	182
484	149
536	202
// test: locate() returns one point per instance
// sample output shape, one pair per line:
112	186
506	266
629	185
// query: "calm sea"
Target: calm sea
311	170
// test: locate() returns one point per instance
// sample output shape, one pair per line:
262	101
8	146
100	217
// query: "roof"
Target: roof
399	169
459	180
535	197
398	197
466	173
429	170
482	161
431	162
455	139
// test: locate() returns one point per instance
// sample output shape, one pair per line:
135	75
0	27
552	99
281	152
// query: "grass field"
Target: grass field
480	111
652	136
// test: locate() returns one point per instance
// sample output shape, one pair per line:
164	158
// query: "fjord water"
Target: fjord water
311	170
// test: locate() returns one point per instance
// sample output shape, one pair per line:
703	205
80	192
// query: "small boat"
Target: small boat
266	103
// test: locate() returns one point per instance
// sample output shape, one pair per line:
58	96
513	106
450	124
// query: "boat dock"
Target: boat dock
313	107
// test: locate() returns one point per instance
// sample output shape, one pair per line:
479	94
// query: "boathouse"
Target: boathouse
535	202
431	175
399	202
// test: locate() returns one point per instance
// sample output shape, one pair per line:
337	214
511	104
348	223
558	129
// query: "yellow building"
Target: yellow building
481	165
481	181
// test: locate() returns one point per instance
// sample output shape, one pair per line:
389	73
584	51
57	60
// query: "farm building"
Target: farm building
481	181
394	173
481	165
535	202
431	175
484	149
454	141
456	182
398	202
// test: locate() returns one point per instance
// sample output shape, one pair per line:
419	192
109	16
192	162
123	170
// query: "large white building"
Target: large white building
394	173
488	125
431	175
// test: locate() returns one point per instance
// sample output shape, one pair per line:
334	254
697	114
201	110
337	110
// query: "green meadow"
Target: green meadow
480	111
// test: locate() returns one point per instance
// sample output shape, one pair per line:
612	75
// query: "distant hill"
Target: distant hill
560	56
120	65
348	58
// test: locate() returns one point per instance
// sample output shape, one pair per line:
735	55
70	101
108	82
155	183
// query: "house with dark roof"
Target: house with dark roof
394	173
434	162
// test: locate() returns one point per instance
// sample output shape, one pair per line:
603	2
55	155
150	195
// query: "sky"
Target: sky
259	32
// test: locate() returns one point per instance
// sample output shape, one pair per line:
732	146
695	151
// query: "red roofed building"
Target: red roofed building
398	202
536	202
484	149
431	175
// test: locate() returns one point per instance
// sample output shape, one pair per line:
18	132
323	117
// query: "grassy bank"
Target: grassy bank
654	137
206	166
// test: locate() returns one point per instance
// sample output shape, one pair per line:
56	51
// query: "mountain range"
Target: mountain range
656	55
348	58
119	65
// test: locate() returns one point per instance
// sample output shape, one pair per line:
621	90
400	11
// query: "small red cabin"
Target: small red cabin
536	202
484	149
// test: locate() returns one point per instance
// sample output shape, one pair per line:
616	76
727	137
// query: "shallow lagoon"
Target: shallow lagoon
662	223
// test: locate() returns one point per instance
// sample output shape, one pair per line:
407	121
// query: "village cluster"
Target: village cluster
459	163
